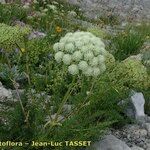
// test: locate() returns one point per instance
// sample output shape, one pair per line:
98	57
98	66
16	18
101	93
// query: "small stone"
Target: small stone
147	127
143	132
128	136
148	146
140	133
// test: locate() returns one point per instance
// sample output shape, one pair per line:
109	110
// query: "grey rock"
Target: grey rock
147	127
136	57
148	147
5	94
140	133
133	135
138	102
110	142
134	107
136	148
36	34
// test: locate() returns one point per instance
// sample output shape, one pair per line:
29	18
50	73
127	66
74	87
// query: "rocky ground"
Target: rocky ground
124	9
134	136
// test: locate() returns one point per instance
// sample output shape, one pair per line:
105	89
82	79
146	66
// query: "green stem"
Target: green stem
70	89
76	110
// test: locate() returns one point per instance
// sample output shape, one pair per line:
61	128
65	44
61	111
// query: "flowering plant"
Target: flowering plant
81	52
12	36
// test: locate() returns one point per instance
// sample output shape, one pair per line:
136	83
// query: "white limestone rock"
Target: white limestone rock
110	142
138	102
4	94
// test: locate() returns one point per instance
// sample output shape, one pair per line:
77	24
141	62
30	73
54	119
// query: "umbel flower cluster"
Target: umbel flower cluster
81	52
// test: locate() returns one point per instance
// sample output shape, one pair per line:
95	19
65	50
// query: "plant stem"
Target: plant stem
70	89
76	110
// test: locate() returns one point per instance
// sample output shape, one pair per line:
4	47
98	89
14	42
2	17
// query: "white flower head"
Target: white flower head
70	40
90	47
61	46
78	44
94	61
59	56
96	71
69	34
67	59
101	59
100	43
56	47
84	49
103	51
88	56
77	55
97	51
69	47
73	69
83	65
85	40
63	40
88	71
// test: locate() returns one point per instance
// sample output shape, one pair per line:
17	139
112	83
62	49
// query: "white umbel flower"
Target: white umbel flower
66	59
96	71
89	71
97	51
101	59
69	34
103	51
73	69
90	47
100	43
63	40
59	56
56	47
83	65
70	40
69	47
61	46
78	44
81	51
77	55
85	40
94	61
84	49
88	56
